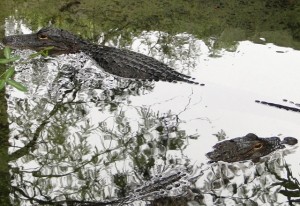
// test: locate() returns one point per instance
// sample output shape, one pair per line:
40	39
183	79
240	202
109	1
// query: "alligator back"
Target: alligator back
129	64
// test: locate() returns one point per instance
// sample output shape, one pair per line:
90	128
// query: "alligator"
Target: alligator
172	184
249	147
120	62
280	106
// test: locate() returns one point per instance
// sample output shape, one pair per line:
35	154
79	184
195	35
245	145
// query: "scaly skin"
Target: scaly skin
249	147
120	62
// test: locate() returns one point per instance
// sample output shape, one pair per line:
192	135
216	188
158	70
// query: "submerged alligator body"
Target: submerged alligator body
280	106
119	62
250	147
171	185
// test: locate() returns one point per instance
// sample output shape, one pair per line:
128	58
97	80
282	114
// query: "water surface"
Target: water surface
85	135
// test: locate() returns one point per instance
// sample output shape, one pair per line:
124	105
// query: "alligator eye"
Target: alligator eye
258	145
42	36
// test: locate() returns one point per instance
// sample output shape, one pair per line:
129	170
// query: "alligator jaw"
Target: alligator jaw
33	42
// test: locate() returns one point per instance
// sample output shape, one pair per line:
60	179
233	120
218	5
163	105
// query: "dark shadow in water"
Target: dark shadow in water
5	179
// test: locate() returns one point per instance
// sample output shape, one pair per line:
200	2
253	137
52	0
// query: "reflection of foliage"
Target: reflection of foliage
248	183
228	40
289	187
172	49
247	19
221	135
113	97
145	145
66	166
120	180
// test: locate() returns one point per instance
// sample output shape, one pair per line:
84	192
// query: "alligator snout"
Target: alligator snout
289	141
13	42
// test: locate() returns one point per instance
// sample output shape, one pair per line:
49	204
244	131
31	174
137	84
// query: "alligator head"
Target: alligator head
63	42
250	147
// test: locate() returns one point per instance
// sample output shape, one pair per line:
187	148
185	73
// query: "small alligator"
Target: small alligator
250	147
119	62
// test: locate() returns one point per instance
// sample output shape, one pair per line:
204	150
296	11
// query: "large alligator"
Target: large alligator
250	147
119	62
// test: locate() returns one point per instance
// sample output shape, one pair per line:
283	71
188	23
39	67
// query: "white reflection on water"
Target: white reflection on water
233	82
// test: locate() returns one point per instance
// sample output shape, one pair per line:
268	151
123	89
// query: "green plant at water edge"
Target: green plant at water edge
6	77
44	52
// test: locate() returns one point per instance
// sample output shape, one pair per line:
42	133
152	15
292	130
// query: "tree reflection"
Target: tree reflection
73	139
62	157
78	141
250	184
57	162
289	186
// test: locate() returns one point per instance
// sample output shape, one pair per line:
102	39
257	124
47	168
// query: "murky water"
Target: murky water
81	136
